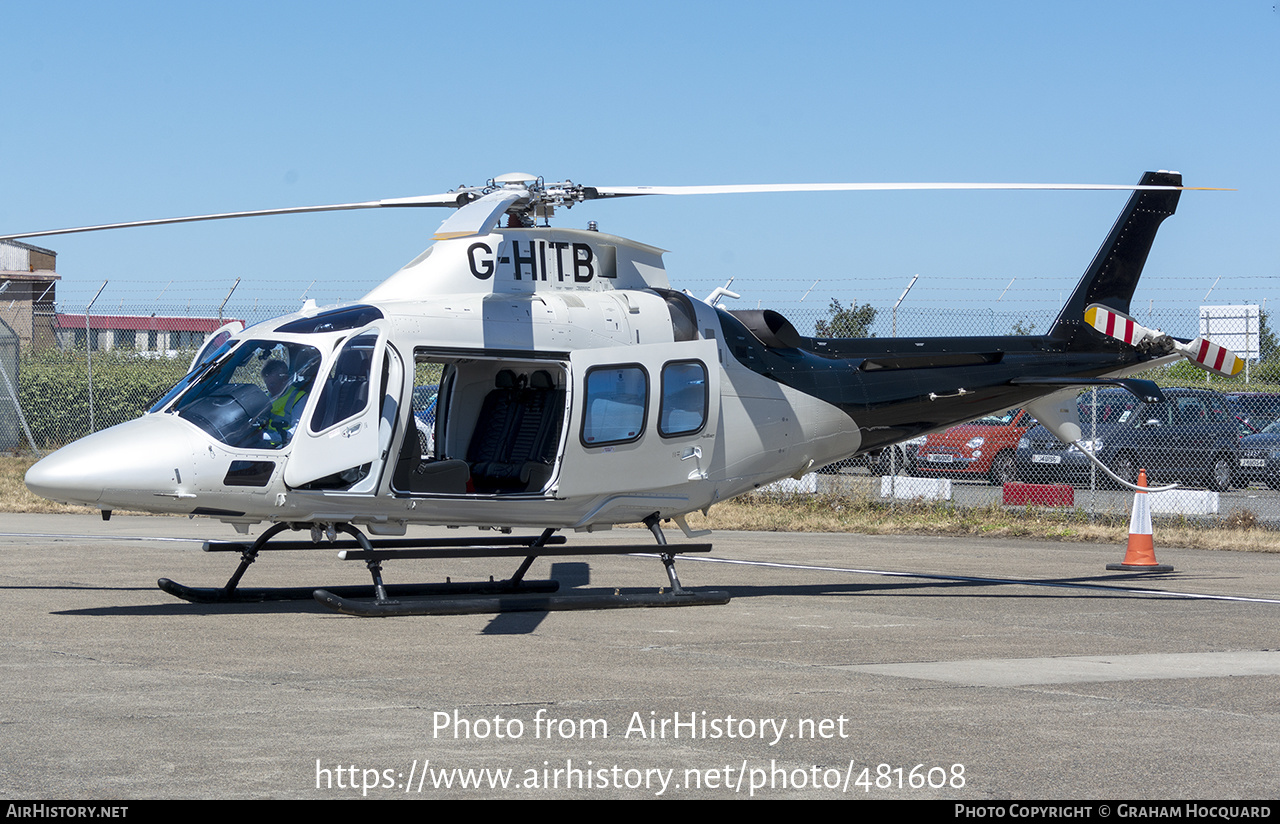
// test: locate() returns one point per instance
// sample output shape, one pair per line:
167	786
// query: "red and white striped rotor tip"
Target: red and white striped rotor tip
1203	353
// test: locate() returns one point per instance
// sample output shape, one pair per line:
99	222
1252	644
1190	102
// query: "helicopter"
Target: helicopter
519	375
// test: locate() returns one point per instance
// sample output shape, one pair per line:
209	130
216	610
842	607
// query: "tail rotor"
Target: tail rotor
1203	353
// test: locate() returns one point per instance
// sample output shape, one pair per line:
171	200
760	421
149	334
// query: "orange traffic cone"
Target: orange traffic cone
1141	553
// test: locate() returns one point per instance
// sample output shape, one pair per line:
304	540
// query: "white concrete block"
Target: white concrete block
1184	502
806	485
931	489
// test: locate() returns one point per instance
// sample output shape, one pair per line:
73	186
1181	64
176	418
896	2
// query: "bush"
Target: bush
53	388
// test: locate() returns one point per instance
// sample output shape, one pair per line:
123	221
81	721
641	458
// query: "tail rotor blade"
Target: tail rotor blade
1118	325
1211	357
1207	355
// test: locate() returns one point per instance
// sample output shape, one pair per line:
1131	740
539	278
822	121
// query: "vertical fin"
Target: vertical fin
1113	275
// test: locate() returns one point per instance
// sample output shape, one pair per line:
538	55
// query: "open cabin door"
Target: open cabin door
644	417
343	439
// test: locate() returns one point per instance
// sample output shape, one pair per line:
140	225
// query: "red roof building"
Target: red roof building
143	333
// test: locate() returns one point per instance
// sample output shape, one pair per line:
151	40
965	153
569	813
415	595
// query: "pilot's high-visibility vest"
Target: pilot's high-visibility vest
283	406
284	413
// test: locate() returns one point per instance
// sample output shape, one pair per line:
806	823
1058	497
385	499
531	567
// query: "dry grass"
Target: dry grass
14	495
1242	531
840	513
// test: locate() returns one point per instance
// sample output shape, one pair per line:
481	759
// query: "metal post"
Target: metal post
1093	468
22	419
914	278
227	298
893	449
88	351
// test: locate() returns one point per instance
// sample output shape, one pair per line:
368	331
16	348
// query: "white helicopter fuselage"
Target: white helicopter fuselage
554	377
544	377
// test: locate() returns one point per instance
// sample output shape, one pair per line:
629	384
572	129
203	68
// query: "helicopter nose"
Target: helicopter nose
127	464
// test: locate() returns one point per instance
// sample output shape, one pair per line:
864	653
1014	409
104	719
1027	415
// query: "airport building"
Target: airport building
28	313
28	290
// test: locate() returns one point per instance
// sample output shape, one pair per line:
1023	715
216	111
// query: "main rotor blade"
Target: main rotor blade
734	189
447	199
477	215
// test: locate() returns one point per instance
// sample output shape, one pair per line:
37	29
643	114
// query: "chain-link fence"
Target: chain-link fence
1210	439
93	369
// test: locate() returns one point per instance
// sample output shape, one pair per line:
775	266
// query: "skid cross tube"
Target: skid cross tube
505	602
373	552
513	594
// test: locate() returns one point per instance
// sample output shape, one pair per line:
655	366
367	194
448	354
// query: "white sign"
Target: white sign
1234	327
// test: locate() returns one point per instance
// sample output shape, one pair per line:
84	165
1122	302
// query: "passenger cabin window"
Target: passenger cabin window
616	402
346	389
684	398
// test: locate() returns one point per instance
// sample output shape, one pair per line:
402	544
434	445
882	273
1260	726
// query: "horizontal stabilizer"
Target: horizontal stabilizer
1143	390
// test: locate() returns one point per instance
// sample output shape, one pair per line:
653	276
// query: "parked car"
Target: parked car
877	461
1254	409
1260	457
424	416
984	448
903	456
1192	437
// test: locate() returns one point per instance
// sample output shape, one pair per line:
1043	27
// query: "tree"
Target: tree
1267	343
853	322
1020	329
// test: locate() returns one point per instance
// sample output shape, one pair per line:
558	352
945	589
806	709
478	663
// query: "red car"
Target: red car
983	448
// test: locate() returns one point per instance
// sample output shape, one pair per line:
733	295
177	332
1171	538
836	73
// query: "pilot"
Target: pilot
286	405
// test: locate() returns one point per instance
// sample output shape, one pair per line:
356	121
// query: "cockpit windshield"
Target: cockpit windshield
253	398
202	363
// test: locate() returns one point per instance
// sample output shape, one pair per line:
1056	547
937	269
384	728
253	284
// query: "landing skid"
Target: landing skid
451	598
257	595
517	603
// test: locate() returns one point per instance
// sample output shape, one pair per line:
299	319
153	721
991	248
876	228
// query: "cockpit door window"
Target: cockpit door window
344	439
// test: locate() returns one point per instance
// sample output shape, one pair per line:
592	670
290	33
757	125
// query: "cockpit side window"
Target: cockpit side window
346	389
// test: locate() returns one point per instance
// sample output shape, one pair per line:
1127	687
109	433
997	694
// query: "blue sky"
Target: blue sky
130	110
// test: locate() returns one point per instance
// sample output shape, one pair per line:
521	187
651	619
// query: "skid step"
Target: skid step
389	544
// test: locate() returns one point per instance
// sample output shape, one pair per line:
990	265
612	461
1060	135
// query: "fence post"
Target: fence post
88	352
22	419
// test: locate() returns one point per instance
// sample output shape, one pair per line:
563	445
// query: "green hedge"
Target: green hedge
53	388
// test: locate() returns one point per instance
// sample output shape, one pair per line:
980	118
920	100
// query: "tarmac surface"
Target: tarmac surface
844	666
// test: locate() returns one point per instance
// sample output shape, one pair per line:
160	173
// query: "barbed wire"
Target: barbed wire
934	290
